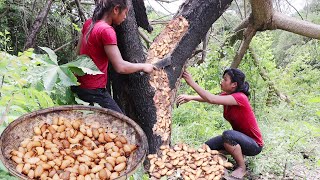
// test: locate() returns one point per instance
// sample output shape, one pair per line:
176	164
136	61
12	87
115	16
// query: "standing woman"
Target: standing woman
245	138
98	41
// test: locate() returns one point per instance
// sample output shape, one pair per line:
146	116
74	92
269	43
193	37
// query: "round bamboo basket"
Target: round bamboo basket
22	128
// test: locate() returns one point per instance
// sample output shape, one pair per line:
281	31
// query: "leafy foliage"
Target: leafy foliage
51	72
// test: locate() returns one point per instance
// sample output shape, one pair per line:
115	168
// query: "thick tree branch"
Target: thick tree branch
297	26
247	35
262	11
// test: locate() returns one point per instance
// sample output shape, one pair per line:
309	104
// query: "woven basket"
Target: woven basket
22	128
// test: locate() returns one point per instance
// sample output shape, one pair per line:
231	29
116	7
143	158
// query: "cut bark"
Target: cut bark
153	95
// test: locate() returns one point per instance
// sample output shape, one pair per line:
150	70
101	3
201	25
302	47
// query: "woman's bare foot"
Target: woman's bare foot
239	173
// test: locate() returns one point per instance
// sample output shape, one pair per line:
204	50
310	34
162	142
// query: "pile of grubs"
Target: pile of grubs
182	161
72	150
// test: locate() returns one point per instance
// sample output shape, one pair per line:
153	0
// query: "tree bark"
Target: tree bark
32	35
153	95
141	15
296	26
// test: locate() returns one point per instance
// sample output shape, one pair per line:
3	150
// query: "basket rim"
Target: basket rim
144	145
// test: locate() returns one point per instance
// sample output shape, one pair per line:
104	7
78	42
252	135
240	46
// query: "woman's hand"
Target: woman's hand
148	68
188	77
183	98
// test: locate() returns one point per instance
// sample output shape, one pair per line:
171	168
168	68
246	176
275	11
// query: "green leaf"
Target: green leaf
52	55
43	99
6	32
3	65
50	78
67	77
86	64
77	71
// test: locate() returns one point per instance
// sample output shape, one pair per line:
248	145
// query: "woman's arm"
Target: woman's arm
183	98
124	67
207	96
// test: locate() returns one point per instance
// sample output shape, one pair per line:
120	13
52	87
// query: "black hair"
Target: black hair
103	6
238	76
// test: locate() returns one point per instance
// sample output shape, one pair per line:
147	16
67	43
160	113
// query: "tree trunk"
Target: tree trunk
149	99
32	35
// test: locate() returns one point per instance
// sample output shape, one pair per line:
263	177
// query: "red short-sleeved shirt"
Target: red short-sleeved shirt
102	34
242	118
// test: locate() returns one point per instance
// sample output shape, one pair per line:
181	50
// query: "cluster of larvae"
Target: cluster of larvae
162	47
72	150
188	163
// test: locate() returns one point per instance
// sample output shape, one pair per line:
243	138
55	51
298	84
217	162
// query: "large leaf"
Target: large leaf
83	64
50	77
52	55
67	77
52	72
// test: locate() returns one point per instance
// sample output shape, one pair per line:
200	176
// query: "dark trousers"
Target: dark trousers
248	146
100	96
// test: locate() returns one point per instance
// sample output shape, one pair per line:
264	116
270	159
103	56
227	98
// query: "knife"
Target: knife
161	64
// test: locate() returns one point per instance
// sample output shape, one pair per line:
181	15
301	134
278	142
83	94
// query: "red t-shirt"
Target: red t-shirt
102	34
242	118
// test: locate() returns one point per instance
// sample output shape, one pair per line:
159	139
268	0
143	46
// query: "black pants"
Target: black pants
248	146
100	96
